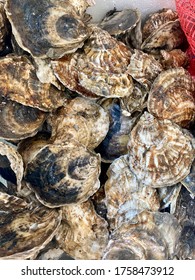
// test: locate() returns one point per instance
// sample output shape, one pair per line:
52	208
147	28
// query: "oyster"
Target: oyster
25	230
148	236
186	217
125	196
19	121
48	28
160	152
144	68
189	180
63	174
83	234
172	96
18	82
100	70
11	164
124	25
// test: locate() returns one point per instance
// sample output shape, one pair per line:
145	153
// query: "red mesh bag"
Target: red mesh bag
186	13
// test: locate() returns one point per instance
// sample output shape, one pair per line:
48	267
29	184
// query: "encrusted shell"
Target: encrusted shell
125	196
189	180
25	230
124	25
47	28
115	143
100	70
11	164
148	236
174	58
83	234
18	82
160	152
63	174
186	216
144	68
19	121
172	96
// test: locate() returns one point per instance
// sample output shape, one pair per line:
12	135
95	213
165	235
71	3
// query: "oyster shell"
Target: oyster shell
160	152
100	70
144	68
63	174
11	164
47	28
4	27
83	234
19	121
148	236
18	82
172	96
25	230
173	59
125	196
189	180
186	217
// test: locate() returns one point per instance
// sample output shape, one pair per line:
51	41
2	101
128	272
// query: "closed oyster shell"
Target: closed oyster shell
148	236
172	96
160	152
25	230
83	234
144	68
125	196
18	82
11	164
19	121
63	174
47	28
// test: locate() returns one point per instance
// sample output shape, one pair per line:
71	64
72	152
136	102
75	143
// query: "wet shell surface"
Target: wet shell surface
148	236
19	121
83	234
11	164
172	96
125	196
160	152
18	82
61	175
47	28
24	230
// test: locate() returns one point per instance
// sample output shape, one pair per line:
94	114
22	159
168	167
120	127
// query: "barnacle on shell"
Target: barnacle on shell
63	174
148	236
25	230
144	68
83	233
160	152
19	121
47	28
11	164
125	196
172	96
18	82
99	70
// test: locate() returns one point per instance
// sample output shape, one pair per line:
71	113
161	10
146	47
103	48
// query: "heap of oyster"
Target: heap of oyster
97	147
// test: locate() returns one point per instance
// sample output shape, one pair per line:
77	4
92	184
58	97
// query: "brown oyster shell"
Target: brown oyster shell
124	25
83	234
4	27
186	216
174	58
189	180
100	70
172	96
160	152
63	174
115	143
144	68
11	163
47	28
18	82
19	121
148	236
25	230
86	120
125	196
